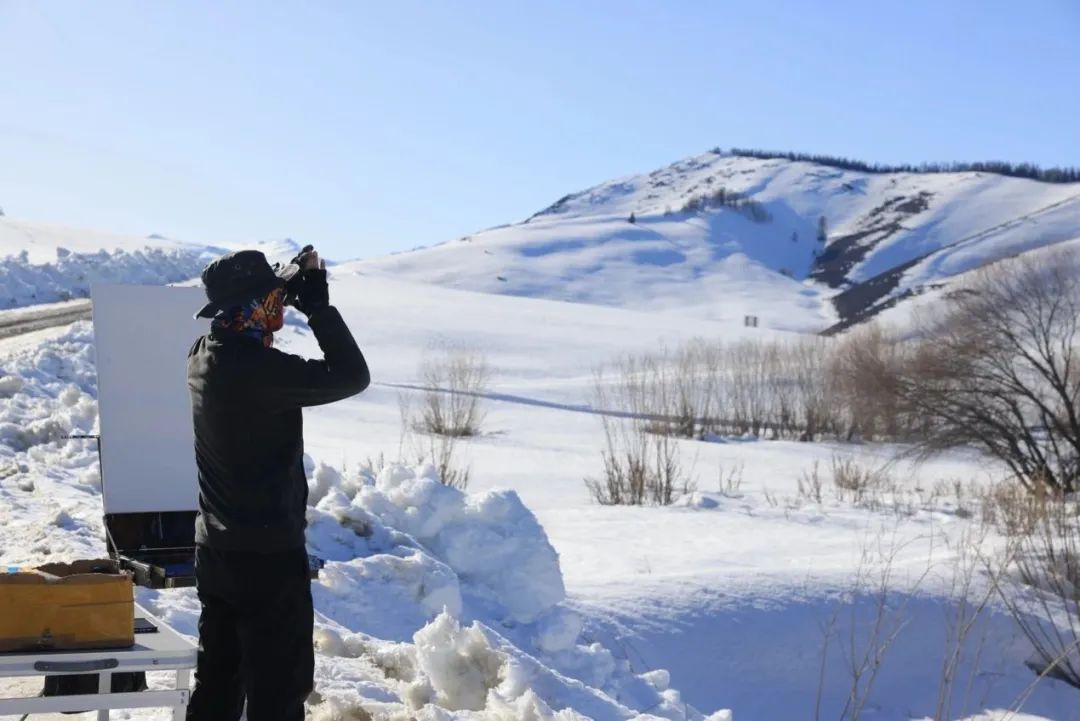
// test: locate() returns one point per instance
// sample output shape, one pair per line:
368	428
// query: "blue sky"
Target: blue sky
371	127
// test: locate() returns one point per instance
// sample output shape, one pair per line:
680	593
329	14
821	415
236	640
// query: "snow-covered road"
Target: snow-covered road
39	317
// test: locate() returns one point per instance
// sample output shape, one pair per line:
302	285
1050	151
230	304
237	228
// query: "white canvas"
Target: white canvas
142	336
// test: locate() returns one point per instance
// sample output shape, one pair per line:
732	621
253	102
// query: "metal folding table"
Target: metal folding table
163	650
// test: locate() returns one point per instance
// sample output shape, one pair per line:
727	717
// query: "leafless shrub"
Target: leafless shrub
866	637
695	392
875	613
450	408
969	597
745	368
853	479
730	479
767	389
455	383
770	498
929	498
811	484
866	367
1012	509
1043	592
817	409
371	466
641	462
420	446
999	370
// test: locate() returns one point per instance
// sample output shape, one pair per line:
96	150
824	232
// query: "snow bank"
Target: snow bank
48	393
70	276
469	590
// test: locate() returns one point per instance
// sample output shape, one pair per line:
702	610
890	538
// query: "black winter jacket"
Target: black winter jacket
249	446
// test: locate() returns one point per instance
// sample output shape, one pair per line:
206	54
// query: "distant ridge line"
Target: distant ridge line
1029	171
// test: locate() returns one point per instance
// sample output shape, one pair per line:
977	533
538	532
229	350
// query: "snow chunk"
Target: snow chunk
696	499
460	665
491	540
401	591
10	385
558	630
659	679
322	480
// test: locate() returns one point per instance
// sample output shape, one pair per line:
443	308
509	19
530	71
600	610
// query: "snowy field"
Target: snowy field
523	599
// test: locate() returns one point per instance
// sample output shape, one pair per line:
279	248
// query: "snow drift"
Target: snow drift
70	276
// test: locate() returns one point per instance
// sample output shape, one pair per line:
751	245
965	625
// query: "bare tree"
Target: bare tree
999	369
866	367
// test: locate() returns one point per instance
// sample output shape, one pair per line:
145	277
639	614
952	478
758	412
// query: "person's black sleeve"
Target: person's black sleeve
289	381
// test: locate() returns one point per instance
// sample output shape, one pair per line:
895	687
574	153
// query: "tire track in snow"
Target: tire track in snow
577	407
19	322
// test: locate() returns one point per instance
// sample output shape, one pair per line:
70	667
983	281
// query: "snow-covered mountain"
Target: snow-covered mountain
722	236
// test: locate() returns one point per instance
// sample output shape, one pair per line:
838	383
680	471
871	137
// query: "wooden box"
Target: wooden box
66	606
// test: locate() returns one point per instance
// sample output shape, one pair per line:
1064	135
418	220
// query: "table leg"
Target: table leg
104	687
183	683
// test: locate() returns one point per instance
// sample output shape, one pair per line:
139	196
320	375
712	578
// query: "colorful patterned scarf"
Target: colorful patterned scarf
258	319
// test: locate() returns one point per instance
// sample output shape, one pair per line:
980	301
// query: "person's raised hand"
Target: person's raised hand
312	261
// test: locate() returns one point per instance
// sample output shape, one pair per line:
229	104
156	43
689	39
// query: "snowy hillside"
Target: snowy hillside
43	263
901	317
721	236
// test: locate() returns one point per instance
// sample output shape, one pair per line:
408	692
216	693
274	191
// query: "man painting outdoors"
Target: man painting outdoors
251	564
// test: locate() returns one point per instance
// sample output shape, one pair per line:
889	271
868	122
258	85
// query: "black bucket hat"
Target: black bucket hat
238	277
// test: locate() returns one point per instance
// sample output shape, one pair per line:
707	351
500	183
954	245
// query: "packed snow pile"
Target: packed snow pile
71	274
492	541
471	586
434	604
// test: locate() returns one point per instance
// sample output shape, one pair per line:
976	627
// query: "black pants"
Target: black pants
254	636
